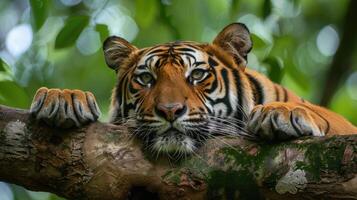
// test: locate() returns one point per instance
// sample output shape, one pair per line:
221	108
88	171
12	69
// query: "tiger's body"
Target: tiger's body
181	93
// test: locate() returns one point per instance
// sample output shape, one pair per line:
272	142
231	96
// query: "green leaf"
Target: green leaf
103	31
235	5
299	77
39	12
146	12
266	8
71	31
258	42
55	197
13	95
5	76
4	68
276	68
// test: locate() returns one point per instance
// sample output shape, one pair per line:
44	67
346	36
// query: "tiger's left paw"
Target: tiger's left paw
282	121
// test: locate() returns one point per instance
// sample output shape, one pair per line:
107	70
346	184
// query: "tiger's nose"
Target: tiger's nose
170	111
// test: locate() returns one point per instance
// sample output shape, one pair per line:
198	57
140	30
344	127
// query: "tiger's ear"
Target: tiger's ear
116	50
235	40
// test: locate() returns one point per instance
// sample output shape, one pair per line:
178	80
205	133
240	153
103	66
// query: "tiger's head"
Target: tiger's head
178	93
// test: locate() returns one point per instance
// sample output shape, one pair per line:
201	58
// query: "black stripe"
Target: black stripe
258	90
148	59
156	51
237	79
124	102
201	97
226	62
141	67
318	114
189	60
181	61
212	63
190	45
295	126
225	100
185	49
225	85
158	63
277	93
198	63
285	94
214	84
188	54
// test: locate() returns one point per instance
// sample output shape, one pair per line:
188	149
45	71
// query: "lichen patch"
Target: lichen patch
15	128
292	182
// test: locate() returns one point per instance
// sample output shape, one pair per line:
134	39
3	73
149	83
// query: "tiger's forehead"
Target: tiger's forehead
179	53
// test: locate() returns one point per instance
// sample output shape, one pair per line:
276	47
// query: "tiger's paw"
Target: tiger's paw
64	108
282	121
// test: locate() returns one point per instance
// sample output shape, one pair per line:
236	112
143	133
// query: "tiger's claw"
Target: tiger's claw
64	108
277	122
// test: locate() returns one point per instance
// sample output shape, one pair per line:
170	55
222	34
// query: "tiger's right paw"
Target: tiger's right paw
64	108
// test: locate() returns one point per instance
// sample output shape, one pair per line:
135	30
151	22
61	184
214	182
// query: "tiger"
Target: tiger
177	95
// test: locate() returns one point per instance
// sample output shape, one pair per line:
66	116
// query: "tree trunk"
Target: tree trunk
102	161
343	60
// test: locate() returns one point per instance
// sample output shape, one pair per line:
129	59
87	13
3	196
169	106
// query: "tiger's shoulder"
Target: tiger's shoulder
265	91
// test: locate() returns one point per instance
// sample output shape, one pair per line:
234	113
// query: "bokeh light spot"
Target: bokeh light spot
327	41
5	192
19	39
351	85
70	2
118	22
88	42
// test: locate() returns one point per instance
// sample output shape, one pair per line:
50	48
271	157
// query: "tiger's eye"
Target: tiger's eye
145	78
198	74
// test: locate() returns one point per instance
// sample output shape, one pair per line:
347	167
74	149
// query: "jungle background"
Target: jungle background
308	46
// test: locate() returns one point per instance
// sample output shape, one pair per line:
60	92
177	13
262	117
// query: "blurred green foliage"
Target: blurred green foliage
71	31
294	43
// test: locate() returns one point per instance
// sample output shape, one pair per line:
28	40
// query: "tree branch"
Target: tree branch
99	161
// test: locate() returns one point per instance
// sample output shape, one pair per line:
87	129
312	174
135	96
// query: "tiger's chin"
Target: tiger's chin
173	142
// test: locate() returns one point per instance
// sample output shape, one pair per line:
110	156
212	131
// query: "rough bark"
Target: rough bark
101	161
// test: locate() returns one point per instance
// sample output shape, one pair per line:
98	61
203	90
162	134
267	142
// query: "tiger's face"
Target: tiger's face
177	94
